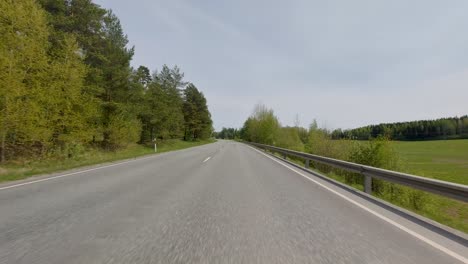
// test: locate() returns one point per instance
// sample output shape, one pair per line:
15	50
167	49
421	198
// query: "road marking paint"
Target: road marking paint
207	159
386	219
77	172
70	174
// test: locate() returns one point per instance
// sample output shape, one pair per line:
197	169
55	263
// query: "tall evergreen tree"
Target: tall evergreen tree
197	117
142	76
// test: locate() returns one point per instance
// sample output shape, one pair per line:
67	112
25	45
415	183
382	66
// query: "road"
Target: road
219	203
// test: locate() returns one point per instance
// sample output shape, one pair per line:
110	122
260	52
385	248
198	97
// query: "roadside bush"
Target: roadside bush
120	132
378	153
288	137
320	143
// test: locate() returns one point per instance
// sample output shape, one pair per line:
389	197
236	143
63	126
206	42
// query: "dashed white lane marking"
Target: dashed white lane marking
207	159
386	219
77	172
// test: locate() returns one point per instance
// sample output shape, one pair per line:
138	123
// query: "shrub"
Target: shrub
378	153
288	137
121	132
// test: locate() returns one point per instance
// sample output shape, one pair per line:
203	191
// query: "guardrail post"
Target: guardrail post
447	189
367	184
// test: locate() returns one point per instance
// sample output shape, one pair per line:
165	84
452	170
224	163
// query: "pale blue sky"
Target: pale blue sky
345	63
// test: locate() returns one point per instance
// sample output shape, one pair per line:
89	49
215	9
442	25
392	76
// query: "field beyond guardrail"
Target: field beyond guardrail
447	189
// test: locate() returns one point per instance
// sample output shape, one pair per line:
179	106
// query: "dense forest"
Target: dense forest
66	83
227	133
444	128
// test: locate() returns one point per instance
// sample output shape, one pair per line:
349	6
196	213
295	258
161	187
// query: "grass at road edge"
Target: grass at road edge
444	210
19	170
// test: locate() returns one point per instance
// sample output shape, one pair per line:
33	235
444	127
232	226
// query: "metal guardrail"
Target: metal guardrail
447	189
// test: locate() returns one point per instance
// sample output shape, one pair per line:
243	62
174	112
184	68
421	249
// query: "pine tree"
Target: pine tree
198	124
170	118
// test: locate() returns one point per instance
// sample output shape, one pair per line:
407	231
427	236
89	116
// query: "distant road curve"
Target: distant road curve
219	203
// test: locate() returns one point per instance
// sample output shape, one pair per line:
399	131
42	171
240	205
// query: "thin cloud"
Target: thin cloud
345	63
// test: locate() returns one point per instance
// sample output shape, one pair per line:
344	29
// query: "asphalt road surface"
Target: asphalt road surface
219	203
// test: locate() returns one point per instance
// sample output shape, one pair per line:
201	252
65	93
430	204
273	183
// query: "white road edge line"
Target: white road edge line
73	173
207	159
386	219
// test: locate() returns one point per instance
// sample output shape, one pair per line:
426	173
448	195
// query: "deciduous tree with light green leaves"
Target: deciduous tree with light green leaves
262	126
70	110
66	84
23	70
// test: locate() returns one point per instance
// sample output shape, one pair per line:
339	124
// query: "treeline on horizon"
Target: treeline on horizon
443	128
263	126
66	83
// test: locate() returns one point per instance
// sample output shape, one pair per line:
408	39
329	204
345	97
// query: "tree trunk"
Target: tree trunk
2	148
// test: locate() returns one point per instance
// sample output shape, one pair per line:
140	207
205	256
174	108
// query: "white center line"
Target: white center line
386	219
207	159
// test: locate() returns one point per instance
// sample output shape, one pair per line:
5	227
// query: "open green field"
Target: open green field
445	160
440	159
17	170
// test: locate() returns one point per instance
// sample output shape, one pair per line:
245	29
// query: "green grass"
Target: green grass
442	159
445	160
18	170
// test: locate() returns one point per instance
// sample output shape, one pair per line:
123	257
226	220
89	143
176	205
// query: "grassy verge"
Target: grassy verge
446	211
17	170
440	209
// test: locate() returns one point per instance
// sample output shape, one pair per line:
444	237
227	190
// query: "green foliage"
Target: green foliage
198	124
445	160
319	142
444	128
228	133
24	68
66	83
69	110
162	115
142	76
376	153
121	131
170	78
88	155
262	126
288	137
